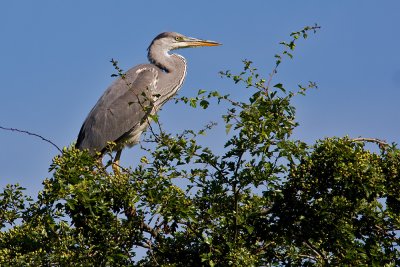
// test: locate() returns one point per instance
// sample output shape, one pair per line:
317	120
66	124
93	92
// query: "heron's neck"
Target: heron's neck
161	58
174	67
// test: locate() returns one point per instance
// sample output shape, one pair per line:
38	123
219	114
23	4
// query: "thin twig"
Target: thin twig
156	137
279	56
236	193
320	254
30	133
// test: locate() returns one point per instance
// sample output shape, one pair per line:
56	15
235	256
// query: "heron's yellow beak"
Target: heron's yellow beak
193	42
204	43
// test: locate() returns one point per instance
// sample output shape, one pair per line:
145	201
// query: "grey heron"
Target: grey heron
122	112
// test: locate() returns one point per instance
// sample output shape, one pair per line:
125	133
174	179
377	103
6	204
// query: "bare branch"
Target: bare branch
30	133
319	254
150	230
141	244
382	144
265	211
308	257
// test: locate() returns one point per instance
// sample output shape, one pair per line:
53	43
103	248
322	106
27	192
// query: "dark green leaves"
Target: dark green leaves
202	99
120	72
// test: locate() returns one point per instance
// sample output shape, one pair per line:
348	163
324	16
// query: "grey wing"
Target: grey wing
121	110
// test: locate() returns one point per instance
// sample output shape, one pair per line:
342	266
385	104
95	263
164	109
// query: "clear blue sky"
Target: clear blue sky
55	64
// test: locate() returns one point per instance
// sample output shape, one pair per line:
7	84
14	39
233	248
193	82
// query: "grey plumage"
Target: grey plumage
121	113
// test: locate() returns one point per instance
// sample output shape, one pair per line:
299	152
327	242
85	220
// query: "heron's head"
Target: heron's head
173	40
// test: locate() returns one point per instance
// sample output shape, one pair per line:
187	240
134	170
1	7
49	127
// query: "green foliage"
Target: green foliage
265	200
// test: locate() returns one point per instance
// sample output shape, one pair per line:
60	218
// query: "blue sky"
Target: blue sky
55	65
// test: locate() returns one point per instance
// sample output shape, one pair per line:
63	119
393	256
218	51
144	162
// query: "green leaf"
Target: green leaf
280	86
200	92
228	128
193	102
154	118
204	104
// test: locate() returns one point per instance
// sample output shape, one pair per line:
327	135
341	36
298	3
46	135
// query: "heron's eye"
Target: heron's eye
178	38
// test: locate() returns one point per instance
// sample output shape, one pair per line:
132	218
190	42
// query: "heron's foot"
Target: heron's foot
115	165
116	168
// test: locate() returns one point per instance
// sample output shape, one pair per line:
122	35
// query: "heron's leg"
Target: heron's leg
115	164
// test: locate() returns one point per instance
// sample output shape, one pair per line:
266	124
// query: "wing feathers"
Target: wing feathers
120	111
